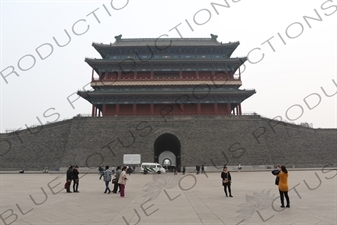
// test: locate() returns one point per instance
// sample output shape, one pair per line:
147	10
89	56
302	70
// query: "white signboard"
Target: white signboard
131	159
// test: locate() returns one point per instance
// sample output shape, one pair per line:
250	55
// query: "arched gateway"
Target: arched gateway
167	150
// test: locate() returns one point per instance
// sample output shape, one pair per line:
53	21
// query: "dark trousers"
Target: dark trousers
116	186
282	195
75	185
68	185
229	189
107	186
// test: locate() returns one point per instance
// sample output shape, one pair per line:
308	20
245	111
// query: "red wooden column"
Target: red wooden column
135	74
198	108
134	109
180	74
117	109
151	109
104	110
181	106
229	109
240	110
152	74
216	108
197	74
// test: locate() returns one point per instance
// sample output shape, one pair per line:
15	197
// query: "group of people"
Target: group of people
72	176
118	179
281	181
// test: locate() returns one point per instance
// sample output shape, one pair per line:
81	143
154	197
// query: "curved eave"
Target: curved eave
198	97
204	90
165	83
91	96
104	49
104	65
164	60
165	42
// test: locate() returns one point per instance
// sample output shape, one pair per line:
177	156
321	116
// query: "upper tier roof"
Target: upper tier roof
165	42
166	45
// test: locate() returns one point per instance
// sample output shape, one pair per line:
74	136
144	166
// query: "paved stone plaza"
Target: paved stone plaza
167	199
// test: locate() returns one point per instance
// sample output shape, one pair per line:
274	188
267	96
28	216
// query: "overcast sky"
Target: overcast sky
292	58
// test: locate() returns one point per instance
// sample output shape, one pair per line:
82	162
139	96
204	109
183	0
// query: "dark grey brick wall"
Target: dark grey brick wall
249	140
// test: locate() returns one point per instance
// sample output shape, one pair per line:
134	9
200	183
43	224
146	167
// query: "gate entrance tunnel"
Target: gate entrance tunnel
167	150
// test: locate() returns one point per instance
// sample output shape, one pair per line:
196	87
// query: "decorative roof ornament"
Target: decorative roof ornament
118	38
214	36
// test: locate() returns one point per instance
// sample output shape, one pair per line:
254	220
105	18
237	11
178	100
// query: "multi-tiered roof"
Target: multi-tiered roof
161	71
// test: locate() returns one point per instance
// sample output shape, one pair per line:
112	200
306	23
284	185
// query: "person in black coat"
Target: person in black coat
197	167
101	171
69	178
116	185
75	179
226	181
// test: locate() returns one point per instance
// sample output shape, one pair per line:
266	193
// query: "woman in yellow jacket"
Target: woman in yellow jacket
283	186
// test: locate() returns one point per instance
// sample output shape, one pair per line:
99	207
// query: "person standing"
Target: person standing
116	185
202	168
107	178
184	170
122	181
129	170
75	179
226	181
283	186
239	167
197	167
101	171
113	169
69	178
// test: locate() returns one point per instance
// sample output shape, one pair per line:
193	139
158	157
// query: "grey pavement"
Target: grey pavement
169	199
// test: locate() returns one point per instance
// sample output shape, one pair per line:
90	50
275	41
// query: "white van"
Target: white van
152	168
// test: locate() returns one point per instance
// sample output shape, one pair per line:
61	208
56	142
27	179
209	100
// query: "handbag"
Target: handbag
114	180
277	180
225	181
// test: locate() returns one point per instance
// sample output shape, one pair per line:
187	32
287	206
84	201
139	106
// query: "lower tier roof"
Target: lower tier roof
197	95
